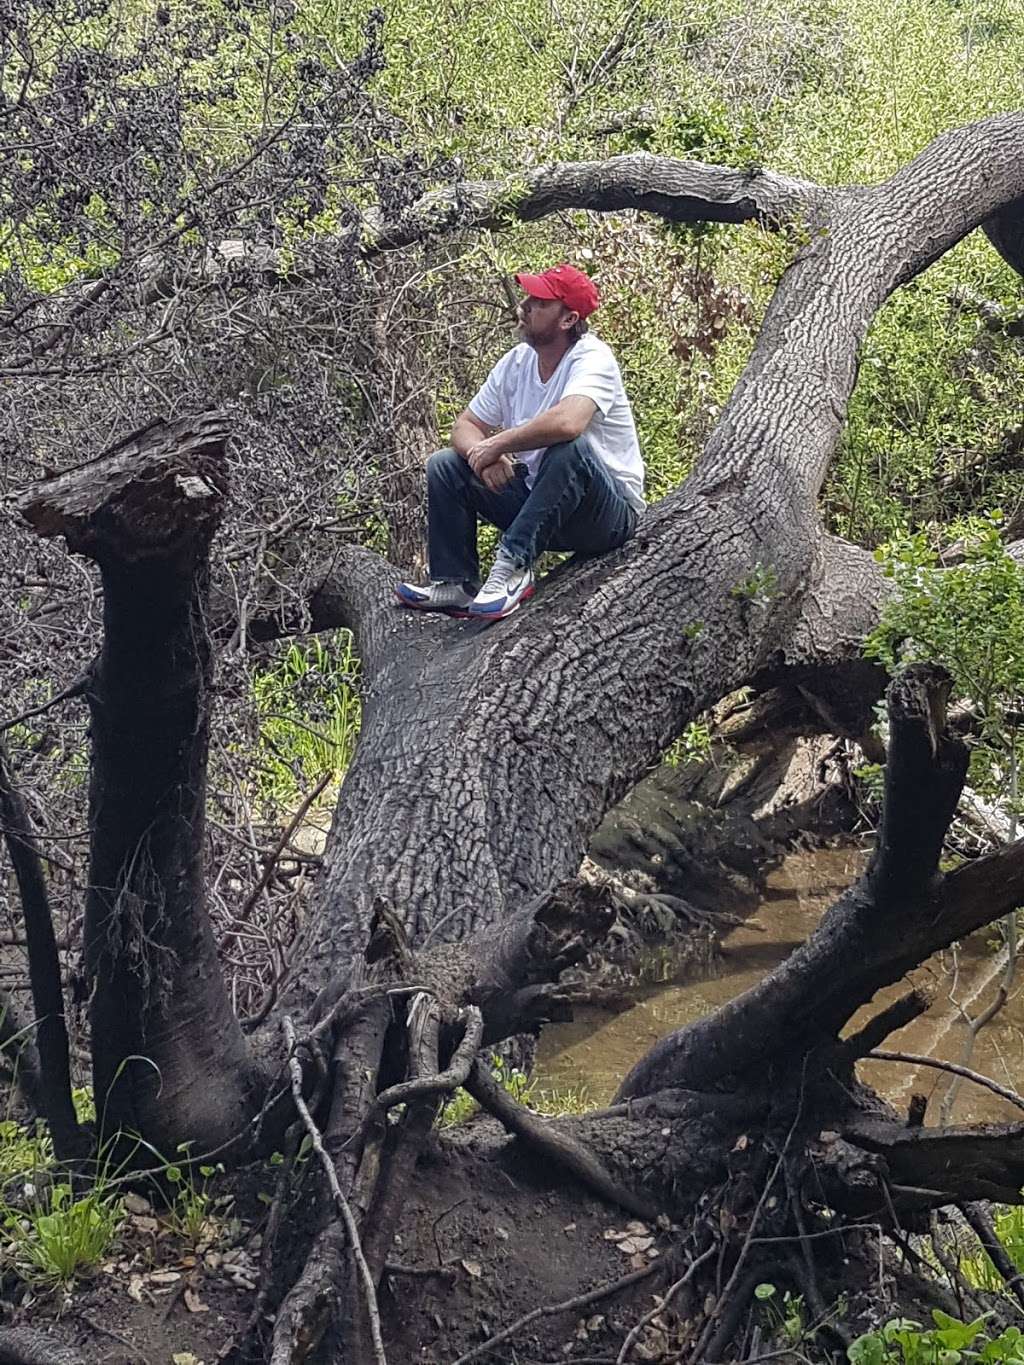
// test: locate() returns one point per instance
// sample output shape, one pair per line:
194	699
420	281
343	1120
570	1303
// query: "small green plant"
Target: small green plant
22	1151
903	1341
85	1105
191	1212
785	1313
871	776
59	1236
692	746
759	587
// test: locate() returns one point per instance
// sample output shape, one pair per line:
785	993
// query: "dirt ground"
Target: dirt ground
486	1241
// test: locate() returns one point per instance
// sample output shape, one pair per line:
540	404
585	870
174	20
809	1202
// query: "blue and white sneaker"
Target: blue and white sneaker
508	585
450	598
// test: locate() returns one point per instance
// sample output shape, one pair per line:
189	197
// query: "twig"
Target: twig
75	689
372	1311
916	1059
662	1304
604	1291
102	1331
280	846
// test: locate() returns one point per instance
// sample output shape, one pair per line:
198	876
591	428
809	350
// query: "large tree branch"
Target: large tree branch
680	191
354	590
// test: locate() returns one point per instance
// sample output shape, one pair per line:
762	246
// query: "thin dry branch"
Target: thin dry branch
954	1068
573	1305
340	1202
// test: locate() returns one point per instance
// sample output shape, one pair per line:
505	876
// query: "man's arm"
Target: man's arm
564	422
467	432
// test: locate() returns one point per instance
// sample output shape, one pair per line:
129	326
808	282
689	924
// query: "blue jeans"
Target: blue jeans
574	504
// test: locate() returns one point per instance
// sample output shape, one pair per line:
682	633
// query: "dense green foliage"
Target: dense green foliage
902	1341
969	617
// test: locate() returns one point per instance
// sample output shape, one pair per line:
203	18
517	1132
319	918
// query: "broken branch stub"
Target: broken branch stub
150	496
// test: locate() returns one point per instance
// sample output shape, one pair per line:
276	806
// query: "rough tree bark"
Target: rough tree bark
488	756
503	748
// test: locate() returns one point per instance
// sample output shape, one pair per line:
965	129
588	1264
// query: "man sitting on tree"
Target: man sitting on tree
546	451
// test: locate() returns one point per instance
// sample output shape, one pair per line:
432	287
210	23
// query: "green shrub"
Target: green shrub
309	715
905	1342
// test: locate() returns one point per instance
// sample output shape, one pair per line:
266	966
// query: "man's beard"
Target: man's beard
538	338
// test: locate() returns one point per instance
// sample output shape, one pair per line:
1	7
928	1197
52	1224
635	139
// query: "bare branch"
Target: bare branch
44	970
681	191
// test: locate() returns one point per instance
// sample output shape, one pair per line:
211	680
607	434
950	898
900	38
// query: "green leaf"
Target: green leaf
867	1350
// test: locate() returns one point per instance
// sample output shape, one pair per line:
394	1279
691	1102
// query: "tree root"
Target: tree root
552	1142
341	1203
23	1346
426	1086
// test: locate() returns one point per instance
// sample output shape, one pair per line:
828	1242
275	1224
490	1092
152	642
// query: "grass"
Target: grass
309	713
554	1103
57	1236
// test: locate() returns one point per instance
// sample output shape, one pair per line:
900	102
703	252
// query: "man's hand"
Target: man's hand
485	453
498	475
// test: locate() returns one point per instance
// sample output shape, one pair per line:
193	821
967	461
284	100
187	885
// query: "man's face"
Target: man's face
542	321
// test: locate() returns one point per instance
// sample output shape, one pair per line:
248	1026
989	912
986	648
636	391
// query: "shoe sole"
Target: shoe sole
500	615
458	612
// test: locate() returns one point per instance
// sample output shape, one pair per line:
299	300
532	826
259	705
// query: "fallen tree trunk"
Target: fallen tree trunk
728	577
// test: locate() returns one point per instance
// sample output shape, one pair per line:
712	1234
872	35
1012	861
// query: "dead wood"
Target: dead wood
51	1082
552	1143
169	1058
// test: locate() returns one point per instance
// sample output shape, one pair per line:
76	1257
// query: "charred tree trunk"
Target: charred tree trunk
169	1058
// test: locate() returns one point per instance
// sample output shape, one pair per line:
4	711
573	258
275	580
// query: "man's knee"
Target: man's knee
444	464
567	453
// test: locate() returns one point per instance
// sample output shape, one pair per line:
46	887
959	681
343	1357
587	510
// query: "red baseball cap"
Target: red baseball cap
576	290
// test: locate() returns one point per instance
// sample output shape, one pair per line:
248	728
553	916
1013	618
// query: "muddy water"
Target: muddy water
598	1048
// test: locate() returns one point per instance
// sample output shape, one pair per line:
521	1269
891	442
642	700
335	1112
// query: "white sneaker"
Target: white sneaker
450	598
508	584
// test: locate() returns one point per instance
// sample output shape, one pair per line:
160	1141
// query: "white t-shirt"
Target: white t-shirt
513	394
